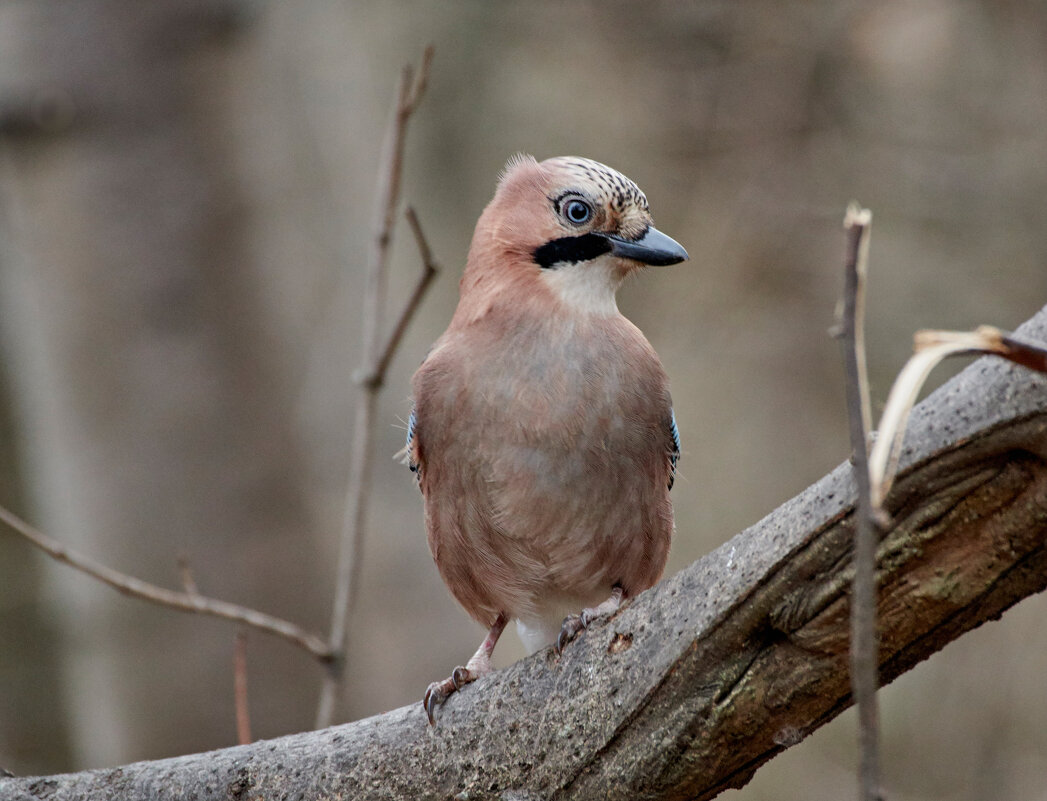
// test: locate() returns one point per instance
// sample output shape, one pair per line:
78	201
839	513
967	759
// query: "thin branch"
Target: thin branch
408	94
243	713
420	84
186	573
430	267
858	221
864	636
182	601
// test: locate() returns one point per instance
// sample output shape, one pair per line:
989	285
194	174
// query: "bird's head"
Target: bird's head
573	225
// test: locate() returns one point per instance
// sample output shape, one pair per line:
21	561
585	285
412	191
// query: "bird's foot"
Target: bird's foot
479	665
440	691
573	625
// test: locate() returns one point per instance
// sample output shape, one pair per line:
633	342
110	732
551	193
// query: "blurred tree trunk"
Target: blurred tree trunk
154	415
31	699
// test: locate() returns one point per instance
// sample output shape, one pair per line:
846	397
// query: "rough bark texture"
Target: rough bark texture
701	680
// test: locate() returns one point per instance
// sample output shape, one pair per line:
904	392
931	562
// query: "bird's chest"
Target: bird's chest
548	384
557	409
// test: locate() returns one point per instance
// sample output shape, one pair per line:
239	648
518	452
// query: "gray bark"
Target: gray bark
702	679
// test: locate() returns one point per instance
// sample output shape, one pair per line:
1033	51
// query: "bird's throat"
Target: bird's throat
589	287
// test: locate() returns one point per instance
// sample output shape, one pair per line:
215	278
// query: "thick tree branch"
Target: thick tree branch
698	682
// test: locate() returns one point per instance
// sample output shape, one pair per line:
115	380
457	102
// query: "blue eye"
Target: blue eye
577	211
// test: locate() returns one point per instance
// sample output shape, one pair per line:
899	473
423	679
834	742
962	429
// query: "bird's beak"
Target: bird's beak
654	248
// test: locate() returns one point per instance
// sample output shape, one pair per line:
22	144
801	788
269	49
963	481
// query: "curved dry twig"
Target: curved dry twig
932	347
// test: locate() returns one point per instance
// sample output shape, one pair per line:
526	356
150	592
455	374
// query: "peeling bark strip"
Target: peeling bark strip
701	680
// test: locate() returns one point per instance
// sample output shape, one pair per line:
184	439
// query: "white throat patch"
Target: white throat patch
587	287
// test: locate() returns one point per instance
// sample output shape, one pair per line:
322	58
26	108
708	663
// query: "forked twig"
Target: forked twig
430	267
190	601
370	379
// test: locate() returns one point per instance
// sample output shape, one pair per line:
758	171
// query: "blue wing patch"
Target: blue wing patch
410	440
674	454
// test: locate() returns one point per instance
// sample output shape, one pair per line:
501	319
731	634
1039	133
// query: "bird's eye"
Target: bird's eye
577	211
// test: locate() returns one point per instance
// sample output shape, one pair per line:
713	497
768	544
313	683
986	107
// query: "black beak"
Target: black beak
654	248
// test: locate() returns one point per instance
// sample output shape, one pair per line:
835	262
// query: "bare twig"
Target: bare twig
243	713
864	636
186	572
931	348
182	601
370	378
430	267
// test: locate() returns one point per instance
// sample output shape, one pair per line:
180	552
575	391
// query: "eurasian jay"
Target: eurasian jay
543	436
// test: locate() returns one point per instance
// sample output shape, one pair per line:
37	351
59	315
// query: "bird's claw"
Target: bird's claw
571	628
440	691
461	676
435	695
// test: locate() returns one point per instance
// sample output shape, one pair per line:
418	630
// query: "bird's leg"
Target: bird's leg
479	665
573	624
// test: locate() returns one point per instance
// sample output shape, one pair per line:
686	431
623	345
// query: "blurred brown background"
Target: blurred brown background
185	201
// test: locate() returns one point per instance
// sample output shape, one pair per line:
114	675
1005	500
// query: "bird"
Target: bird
542	433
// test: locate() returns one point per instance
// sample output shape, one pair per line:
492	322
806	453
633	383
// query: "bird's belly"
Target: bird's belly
541	503
583	520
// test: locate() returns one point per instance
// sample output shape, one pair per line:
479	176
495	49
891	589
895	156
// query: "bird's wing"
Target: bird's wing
674	448
409	454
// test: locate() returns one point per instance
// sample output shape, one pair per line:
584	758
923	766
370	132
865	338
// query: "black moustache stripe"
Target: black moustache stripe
571	249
